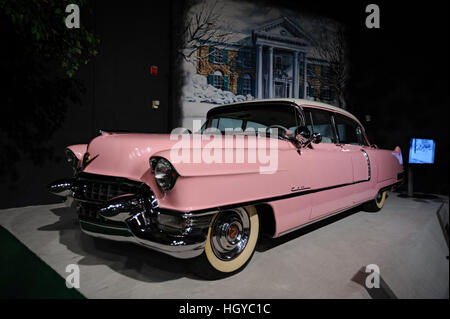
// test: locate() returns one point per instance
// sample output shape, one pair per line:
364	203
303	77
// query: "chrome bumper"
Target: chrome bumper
136	218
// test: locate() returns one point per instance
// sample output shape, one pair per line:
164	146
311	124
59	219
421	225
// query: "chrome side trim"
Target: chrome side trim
368	164
189	214
316	220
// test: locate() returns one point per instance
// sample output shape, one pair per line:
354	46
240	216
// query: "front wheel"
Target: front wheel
376	204
231	242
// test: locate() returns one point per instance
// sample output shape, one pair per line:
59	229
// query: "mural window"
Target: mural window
247	59
278	65
218	56
310	90
311	69
325	71
325	93
246	84
218	81
301	68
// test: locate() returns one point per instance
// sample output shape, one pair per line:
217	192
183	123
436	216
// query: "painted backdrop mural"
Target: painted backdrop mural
237	52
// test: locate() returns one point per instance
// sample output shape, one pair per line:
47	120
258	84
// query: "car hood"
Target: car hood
124	154
127	155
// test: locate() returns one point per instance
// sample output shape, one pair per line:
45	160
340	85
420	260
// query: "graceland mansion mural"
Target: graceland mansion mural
239	53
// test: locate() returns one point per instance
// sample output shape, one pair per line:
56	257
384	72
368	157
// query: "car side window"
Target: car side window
322	123
348	130
308	121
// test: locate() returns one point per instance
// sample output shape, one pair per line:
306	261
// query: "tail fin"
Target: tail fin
398	153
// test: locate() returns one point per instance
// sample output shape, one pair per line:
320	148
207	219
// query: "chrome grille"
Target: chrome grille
100	189
94	191
103	191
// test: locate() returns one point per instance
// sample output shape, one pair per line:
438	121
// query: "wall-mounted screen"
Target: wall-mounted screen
421	151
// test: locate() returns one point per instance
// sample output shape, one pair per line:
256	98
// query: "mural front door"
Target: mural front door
282	75
281	89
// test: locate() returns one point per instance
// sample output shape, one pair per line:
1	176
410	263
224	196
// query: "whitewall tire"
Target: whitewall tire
377	203
231	242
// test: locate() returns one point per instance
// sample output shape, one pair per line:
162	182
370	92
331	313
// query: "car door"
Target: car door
352	140
331	168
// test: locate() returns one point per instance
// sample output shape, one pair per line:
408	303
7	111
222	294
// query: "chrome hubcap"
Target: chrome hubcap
229	233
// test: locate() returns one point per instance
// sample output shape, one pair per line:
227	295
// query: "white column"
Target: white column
270	72
259	71
296	78
305	79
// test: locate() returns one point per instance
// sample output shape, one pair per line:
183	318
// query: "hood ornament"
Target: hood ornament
87	160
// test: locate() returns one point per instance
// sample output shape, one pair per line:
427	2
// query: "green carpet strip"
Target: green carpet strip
23	275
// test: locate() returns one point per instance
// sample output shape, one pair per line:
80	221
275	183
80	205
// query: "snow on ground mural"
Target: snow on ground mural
199	97
241	51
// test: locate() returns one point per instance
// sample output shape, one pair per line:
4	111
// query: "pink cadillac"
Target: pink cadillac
127	187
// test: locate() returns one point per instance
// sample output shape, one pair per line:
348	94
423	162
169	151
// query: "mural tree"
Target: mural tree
332	48
202	25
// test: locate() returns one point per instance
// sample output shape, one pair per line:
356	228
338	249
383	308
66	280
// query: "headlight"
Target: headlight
165	174
71	159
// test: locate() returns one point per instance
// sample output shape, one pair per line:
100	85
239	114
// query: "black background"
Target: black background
398	75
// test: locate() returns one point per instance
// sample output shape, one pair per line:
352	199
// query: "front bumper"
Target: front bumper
123	210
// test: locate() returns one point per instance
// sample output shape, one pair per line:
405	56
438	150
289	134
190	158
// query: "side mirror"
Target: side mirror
316	138
304	132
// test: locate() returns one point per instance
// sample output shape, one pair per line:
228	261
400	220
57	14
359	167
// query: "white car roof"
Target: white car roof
303	102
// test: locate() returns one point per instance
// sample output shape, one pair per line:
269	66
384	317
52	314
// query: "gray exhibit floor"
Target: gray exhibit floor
405	240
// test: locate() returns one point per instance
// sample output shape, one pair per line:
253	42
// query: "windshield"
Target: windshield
251	117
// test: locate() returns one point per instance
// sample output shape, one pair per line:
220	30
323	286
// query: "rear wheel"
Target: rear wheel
231	242
377	203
